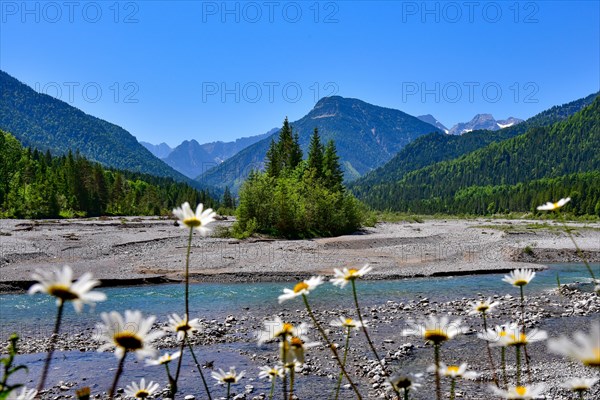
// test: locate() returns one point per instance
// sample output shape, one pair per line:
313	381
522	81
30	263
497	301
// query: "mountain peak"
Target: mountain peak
483	121
431	120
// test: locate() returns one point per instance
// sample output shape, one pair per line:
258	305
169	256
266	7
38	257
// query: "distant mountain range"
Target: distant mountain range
366	136
483	121
426	174
192	158
45	123
159	150
430	119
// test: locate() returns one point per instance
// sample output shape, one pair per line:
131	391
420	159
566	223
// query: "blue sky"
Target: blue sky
170	71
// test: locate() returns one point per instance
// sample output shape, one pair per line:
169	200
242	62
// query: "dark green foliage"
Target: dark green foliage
8	368
43	122
315	154
435	147
36	185
299	201
332	172
485	181
285	154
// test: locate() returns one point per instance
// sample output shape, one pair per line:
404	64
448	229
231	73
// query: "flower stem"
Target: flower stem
518	354
331	347
581	395
51	346
405	393
113	388
179	362
489	351
187	275
199	370
366	332
523	329
339	382
272	389
364	328
284	357
452	388
578	249
292	375
503	360
228	390
438	385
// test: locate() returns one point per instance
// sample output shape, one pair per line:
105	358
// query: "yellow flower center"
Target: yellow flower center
453	369
229	379
555	205
435	335
273	372
351	273
183	327
128	340
521	390
593	361
349	322
300	287
142	394
62	292
403	383
502	333
192	222
296	342
482	307
520	282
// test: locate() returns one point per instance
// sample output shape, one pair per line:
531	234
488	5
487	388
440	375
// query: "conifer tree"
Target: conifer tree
332	171
315	154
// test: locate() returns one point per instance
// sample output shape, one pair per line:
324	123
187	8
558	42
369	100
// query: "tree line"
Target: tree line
36	184
296	197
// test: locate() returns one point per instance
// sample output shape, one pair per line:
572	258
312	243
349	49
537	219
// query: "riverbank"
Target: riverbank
137	250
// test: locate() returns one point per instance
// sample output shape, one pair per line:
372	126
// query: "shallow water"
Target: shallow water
34	315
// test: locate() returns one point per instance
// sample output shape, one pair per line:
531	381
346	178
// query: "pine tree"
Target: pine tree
332	171
228	201
273	162
315	154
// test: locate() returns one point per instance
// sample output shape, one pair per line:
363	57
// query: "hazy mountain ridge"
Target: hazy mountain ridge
365	135
45	123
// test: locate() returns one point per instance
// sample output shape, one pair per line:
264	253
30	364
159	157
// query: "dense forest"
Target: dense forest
538	159
435	147
35	184
295	197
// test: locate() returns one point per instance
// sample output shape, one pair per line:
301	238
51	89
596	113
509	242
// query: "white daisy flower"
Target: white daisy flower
294	350
277	329
59	283
580	384
454	371
435	330
271	372
131	334
401	383
227	378
347	323
302	288
515	337
498	334
164	359
198	220
341	278
554	206
179	326
25	394
141	391
520	392
483	306
519	277
584	348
